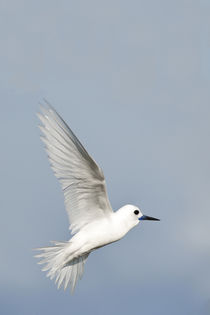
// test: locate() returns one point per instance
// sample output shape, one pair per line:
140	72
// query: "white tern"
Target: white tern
93	223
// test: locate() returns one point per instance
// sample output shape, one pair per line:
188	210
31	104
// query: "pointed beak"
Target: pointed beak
146	217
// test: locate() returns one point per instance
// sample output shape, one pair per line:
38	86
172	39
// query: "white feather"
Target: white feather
82	180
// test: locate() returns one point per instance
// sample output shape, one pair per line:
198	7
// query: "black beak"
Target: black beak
146	217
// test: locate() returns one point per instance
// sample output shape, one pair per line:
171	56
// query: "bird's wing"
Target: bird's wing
81	178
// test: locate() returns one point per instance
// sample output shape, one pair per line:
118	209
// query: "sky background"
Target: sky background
132	79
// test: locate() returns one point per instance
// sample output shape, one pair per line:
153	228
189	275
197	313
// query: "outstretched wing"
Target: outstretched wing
81	179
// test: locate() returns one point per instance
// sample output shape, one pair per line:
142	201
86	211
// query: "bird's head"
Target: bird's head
133	215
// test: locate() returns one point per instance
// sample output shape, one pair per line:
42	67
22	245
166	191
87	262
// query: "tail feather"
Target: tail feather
61	264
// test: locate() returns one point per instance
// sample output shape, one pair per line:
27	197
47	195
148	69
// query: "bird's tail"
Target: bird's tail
58	263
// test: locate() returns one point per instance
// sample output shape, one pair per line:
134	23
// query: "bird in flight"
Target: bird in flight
93	223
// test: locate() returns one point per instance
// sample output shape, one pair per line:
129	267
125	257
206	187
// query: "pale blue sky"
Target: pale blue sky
132	79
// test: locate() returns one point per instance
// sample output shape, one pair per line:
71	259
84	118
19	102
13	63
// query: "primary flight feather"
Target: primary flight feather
92	220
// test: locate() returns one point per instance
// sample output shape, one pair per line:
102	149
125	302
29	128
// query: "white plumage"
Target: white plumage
92	221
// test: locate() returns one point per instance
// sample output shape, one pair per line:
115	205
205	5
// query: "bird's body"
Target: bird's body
104	231
92	220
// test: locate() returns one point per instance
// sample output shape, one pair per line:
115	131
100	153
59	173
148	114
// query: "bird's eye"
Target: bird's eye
136	212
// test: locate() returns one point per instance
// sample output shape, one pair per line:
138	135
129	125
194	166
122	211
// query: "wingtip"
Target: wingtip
39	116
48	105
